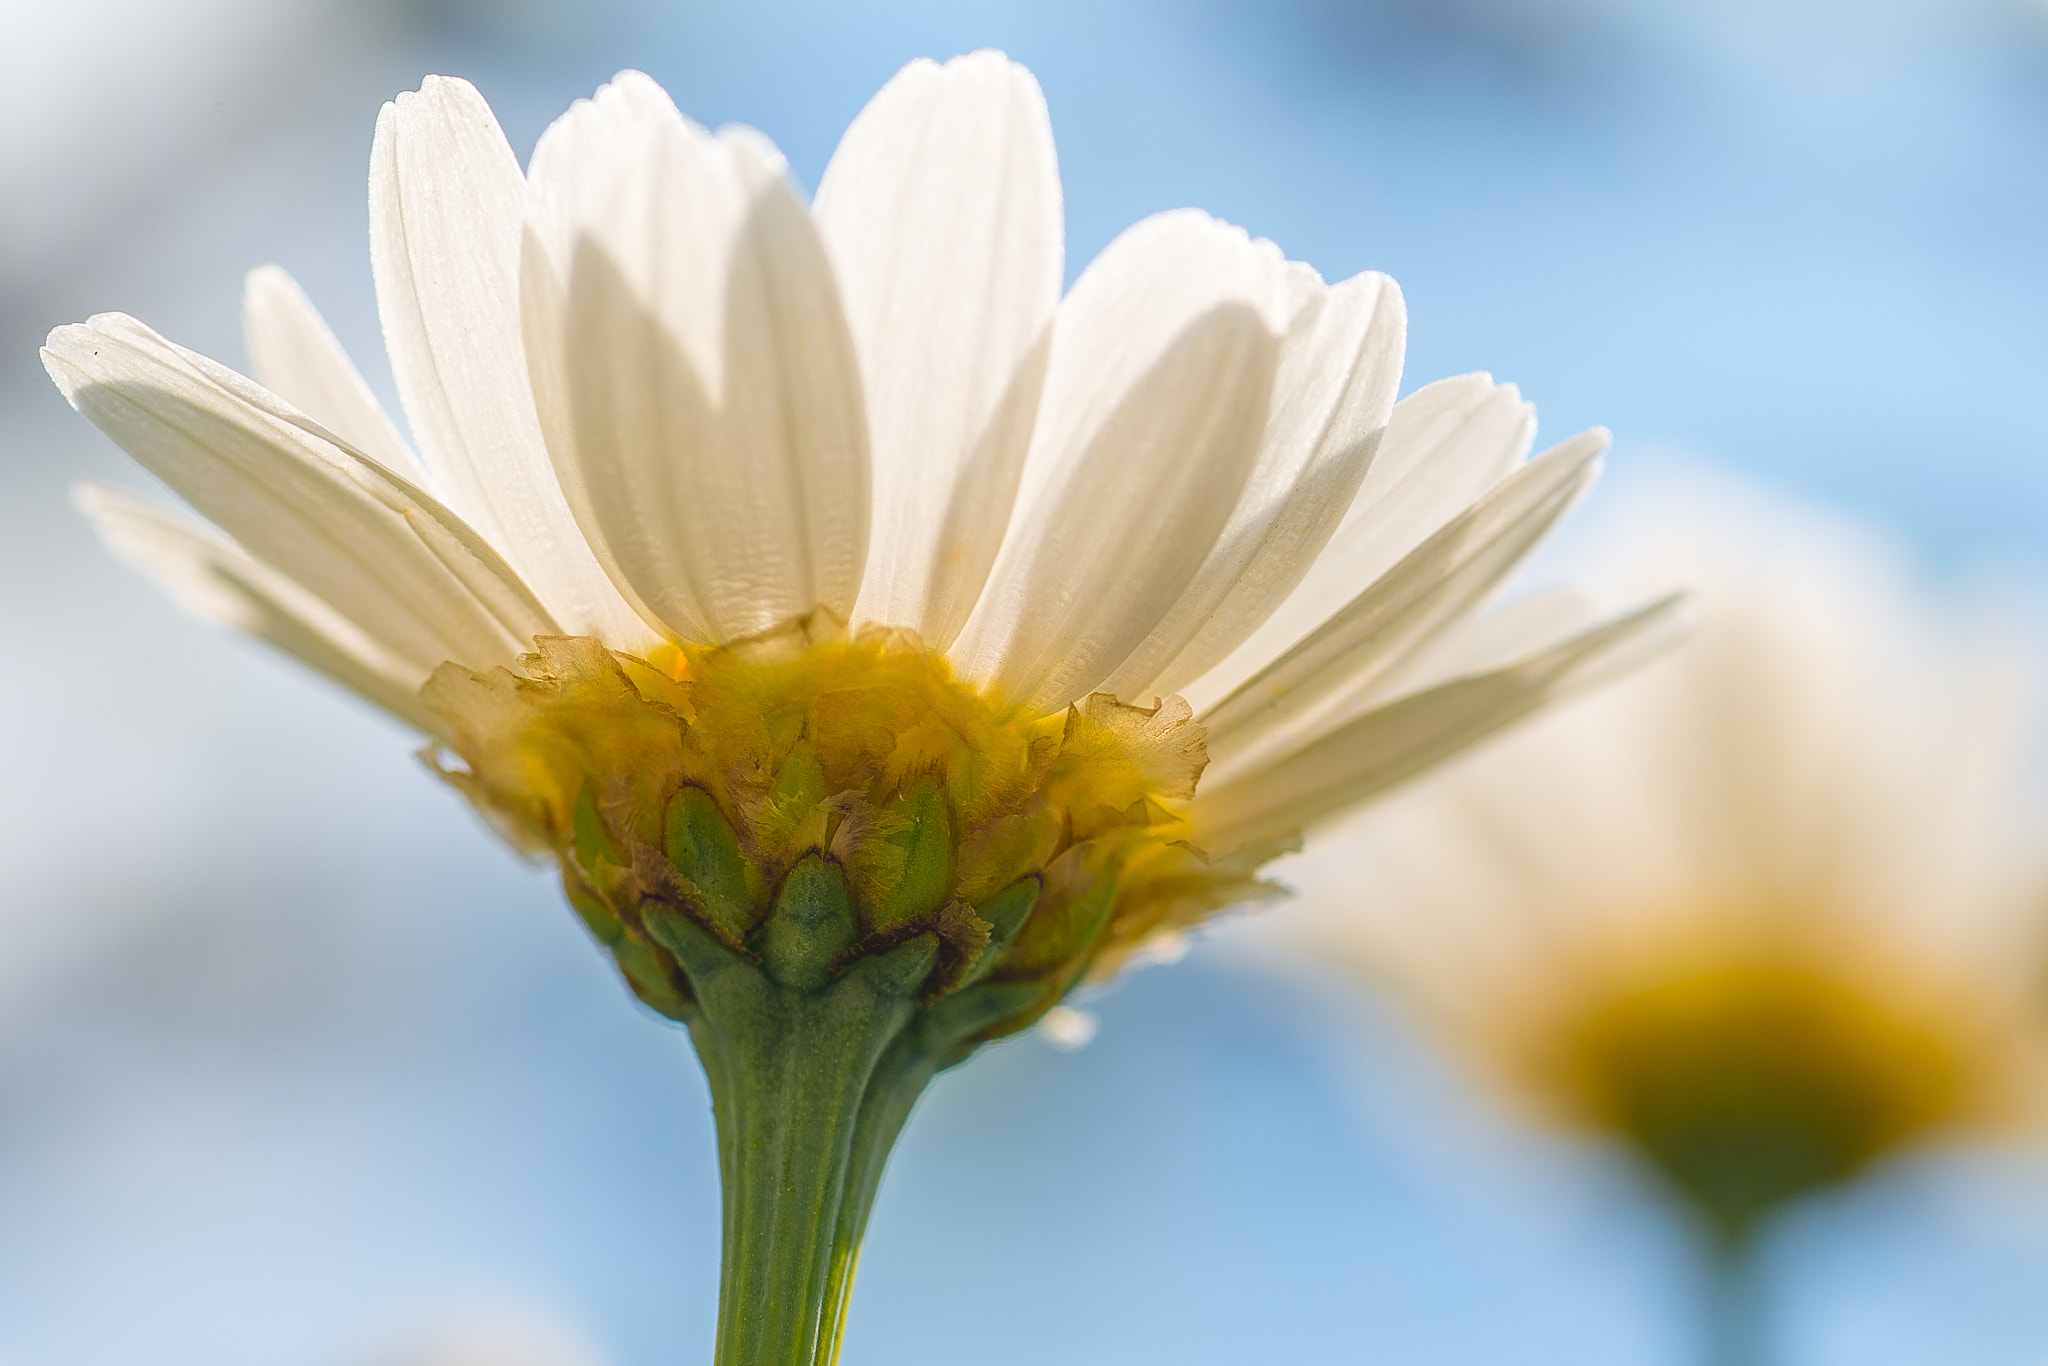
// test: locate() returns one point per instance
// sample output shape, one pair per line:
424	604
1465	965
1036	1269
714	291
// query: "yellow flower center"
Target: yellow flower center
715	784
1751	1081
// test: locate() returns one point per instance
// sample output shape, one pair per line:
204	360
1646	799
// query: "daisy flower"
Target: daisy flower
880	641
1768	913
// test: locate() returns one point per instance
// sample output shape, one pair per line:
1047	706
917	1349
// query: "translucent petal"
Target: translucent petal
217	581
1388	745
941	211
292	354
1332	393
447	203
1445	445
719	456
573	160
381	553
1320	681
1156	393
1482	644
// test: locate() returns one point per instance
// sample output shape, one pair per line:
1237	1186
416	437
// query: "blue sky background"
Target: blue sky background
298	1068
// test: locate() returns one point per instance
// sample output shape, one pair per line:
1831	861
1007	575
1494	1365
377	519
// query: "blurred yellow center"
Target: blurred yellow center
694	783
1753	1081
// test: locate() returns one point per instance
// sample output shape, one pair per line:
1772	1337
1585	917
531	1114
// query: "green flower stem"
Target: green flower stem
786	1117
789	1070
814	1067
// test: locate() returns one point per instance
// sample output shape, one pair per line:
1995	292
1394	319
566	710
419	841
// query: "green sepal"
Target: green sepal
1005	914
792	814
647	972
596	916
900	973
811	925
593	841
1059	937
700	954
952	1027
1000	851
963	941
706	854
922	848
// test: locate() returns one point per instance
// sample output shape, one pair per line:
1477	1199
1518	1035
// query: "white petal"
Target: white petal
571	163
446	206
719	455
1482	644
941	211
1322	679
292	354
1339	368
217	581
1446	444
576	157
1388	745
378	551
1156	393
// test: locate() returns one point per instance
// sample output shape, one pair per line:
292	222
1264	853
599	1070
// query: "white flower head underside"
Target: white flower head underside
653	395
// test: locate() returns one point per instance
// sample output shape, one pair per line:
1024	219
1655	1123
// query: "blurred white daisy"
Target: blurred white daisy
1769	912
807	580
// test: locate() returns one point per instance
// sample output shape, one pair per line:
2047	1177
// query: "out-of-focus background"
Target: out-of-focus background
298	1068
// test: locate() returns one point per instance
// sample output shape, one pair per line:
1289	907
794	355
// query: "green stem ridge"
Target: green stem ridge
814	1065
937	1039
